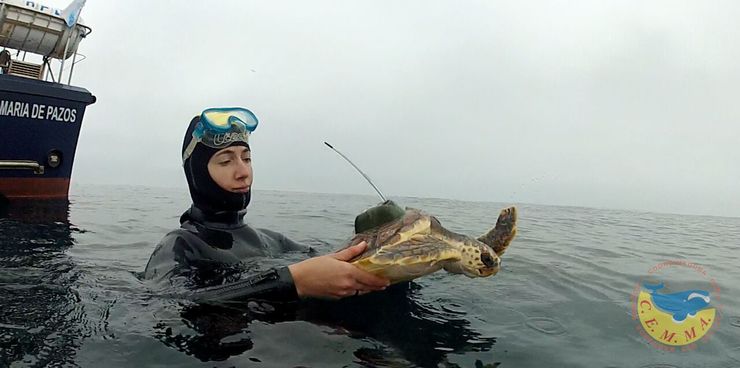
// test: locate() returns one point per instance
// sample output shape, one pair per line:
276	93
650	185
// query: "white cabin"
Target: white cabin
30	27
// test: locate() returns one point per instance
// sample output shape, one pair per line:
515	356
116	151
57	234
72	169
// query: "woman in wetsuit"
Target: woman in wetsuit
212	255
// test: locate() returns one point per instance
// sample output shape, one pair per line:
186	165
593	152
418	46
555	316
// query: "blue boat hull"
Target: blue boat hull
39	122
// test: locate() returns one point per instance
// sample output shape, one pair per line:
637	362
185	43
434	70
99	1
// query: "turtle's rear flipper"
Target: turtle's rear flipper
503	233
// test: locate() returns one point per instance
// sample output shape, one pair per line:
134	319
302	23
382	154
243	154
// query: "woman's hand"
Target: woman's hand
331	276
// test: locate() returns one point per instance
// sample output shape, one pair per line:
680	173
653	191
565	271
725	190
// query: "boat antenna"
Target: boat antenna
358	169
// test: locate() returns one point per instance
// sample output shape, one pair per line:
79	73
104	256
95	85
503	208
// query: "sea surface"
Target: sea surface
70	294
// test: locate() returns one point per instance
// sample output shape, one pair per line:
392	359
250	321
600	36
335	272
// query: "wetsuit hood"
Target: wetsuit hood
209	197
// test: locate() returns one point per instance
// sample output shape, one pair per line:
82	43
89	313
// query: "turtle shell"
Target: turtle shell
397	238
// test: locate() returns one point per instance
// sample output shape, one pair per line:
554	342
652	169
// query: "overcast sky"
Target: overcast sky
613	104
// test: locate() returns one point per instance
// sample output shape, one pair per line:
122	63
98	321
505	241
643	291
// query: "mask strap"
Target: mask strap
189	149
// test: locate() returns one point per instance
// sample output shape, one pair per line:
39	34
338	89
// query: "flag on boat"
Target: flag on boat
72	12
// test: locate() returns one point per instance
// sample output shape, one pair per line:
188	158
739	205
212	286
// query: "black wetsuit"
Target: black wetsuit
217	257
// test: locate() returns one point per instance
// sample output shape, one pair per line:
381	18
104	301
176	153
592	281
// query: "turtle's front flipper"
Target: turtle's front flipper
503	233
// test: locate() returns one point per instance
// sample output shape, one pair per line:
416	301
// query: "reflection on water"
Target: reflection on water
406	332
208	332
40	314
399	319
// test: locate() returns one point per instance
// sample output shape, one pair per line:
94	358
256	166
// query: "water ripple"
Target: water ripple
546	325
735	321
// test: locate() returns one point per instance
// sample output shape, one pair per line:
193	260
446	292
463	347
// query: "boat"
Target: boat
40	111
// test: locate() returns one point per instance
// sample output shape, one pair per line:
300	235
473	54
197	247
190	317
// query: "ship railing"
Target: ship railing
36	167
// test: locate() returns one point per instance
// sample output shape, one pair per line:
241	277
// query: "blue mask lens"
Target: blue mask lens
220	127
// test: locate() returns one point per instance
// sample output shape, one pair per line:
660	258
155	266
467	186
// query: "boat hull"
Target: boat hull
39	127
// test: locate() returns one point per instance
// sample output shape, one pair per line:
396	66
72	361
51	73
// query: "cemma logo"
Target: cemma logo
672	317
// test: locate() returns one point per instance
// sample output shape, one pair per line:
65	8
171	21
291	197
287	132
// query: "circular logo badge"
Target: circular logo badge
676	304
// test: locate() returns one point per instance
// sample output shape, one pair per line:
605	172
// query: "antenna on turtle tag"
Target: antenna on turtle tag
358	169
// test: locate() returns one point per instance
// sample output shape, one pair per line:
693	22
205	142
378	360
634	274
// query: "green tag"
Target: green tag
377	216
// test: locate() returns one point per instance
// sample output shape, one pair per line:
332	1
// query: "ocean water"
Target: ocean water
70	293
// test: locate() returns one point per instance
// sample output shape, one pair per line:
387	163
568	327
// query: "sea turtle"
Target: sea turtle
406	244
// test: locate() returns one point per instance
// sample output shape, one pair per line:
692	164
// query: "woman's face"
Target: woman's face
231	169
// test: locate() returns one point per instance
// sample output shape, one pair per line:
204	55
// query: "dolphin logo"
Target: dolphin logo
680	304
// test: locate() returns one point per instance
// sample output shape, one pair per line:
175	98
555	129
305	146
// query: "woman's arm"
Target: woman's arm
181	270
332	276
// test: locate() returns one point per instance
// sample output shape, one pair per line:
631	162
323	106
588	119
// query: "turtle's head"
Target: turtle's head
478	260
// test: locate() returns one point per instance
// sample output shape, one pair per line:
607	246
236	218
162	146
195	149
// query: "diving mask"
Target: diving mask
220	127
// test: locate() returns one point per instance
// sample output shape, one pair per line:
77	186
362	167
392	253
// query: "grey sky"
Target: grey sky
617	104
